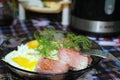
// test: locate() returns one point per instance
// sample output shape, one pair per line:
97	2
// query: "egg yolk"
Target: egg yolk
33	44
25	63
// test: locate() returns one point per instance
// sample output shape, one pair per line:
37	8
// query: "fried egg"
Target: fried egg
23	58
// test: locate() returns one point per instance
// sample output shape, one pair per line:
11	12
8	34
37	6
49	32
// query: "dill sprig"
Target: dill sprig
78	41
48	43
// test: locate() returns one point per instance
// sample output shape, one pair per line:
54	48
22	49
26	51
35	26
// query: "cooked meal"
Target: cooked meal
51	52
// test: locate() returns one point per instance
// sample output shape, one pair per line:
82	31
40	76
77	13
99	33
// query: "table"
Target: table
106	69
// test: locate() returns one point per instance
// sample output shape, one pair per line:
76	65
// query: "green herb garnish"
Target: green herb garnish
78	42
49	46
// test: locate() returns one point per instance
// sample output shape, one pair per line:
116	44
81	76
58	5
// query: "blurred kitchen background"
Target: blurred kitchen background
29	14
94	17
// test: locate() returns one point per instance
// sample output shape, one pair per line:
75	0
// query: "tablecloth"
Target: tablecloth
106	69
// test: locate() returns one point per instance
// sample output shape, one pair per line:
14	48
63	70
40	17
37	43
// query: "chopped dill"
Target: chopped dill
48	42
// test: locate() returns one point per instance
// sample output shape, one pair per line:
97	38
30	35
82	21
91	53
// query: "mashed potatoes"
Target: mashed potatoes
24	58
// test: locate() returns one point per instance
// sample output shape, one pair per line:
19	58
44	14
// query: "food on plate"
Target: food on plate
49	53
73	58
51	66
23	58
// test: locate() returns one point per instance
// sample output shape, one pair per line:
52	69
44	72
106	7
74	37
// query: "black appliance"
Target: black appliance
96	16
